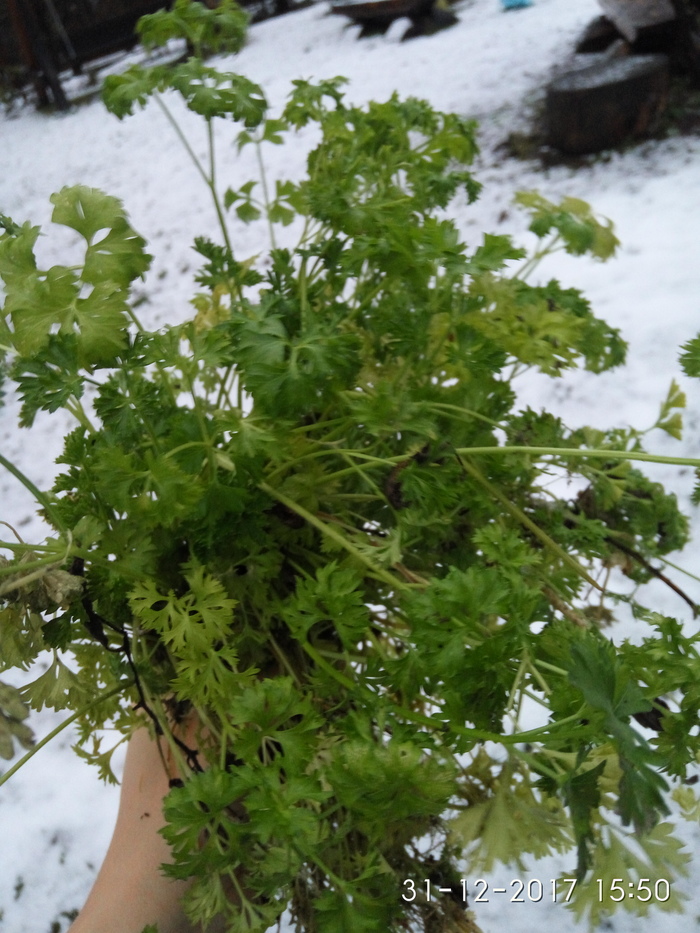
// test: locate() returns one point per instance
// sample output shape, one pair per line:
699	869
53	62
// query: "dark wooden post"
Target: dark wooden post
36	52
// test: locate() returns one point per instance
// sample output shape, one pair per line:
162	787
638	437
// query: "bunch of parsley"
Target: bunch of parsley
315	516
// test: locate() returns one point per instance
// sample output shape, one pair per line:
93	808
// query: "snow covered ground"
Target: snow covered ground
55	817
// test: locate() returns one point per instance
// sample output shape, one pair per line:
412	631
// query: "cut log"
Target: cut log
632	15
600	106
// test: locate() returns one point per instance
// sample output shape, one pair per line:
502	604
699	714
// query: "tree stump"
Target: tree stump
599	106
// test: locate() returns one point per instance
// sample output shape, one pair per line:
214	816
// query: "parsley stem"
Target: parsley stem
458	410
38	567
528	523
59	728
265	190
181	136
481	735
536	764
330	451
74	407
328	668
580	452
669	563
533	262
537	675
330	532
23	546
211	184
134	319
40	497
520	673
551	667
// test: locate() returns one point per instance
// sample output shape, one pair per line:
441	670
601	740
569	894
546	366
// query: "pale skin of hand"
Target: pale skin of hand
131	891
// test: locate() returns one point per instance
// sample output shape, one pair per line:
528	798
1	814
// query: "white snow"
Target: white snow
55	816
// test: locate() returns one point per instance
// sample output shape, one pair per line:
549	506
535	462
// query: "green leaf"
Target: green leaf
272	131
672	423
582	795
690	358
39	302
50	377
57	688
510	824
274	718
134	86
119	256
247	212
672	426
195	622
208	30
279	213
493	255
17	253
335	599
595	669
306	101
13	729
617	857
211	93
574	221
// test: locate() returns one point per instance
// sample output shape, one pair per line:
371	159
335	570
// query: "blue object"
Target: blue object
515	4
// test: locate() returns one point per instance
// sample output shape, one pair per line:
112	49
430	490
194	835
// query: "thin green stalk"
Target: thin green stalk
183	139
669	563
266	193
211	184
582	453
315	425
206	440
528	523
303	295
42	568
330	451
536	765
209	178
135	319
328	668
57	731
536	699
330	532
22	546
223	391
470	415
544	686
481	735
537	257
40	497
520	673
551	667
356	497
187	446
365	478
75	408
